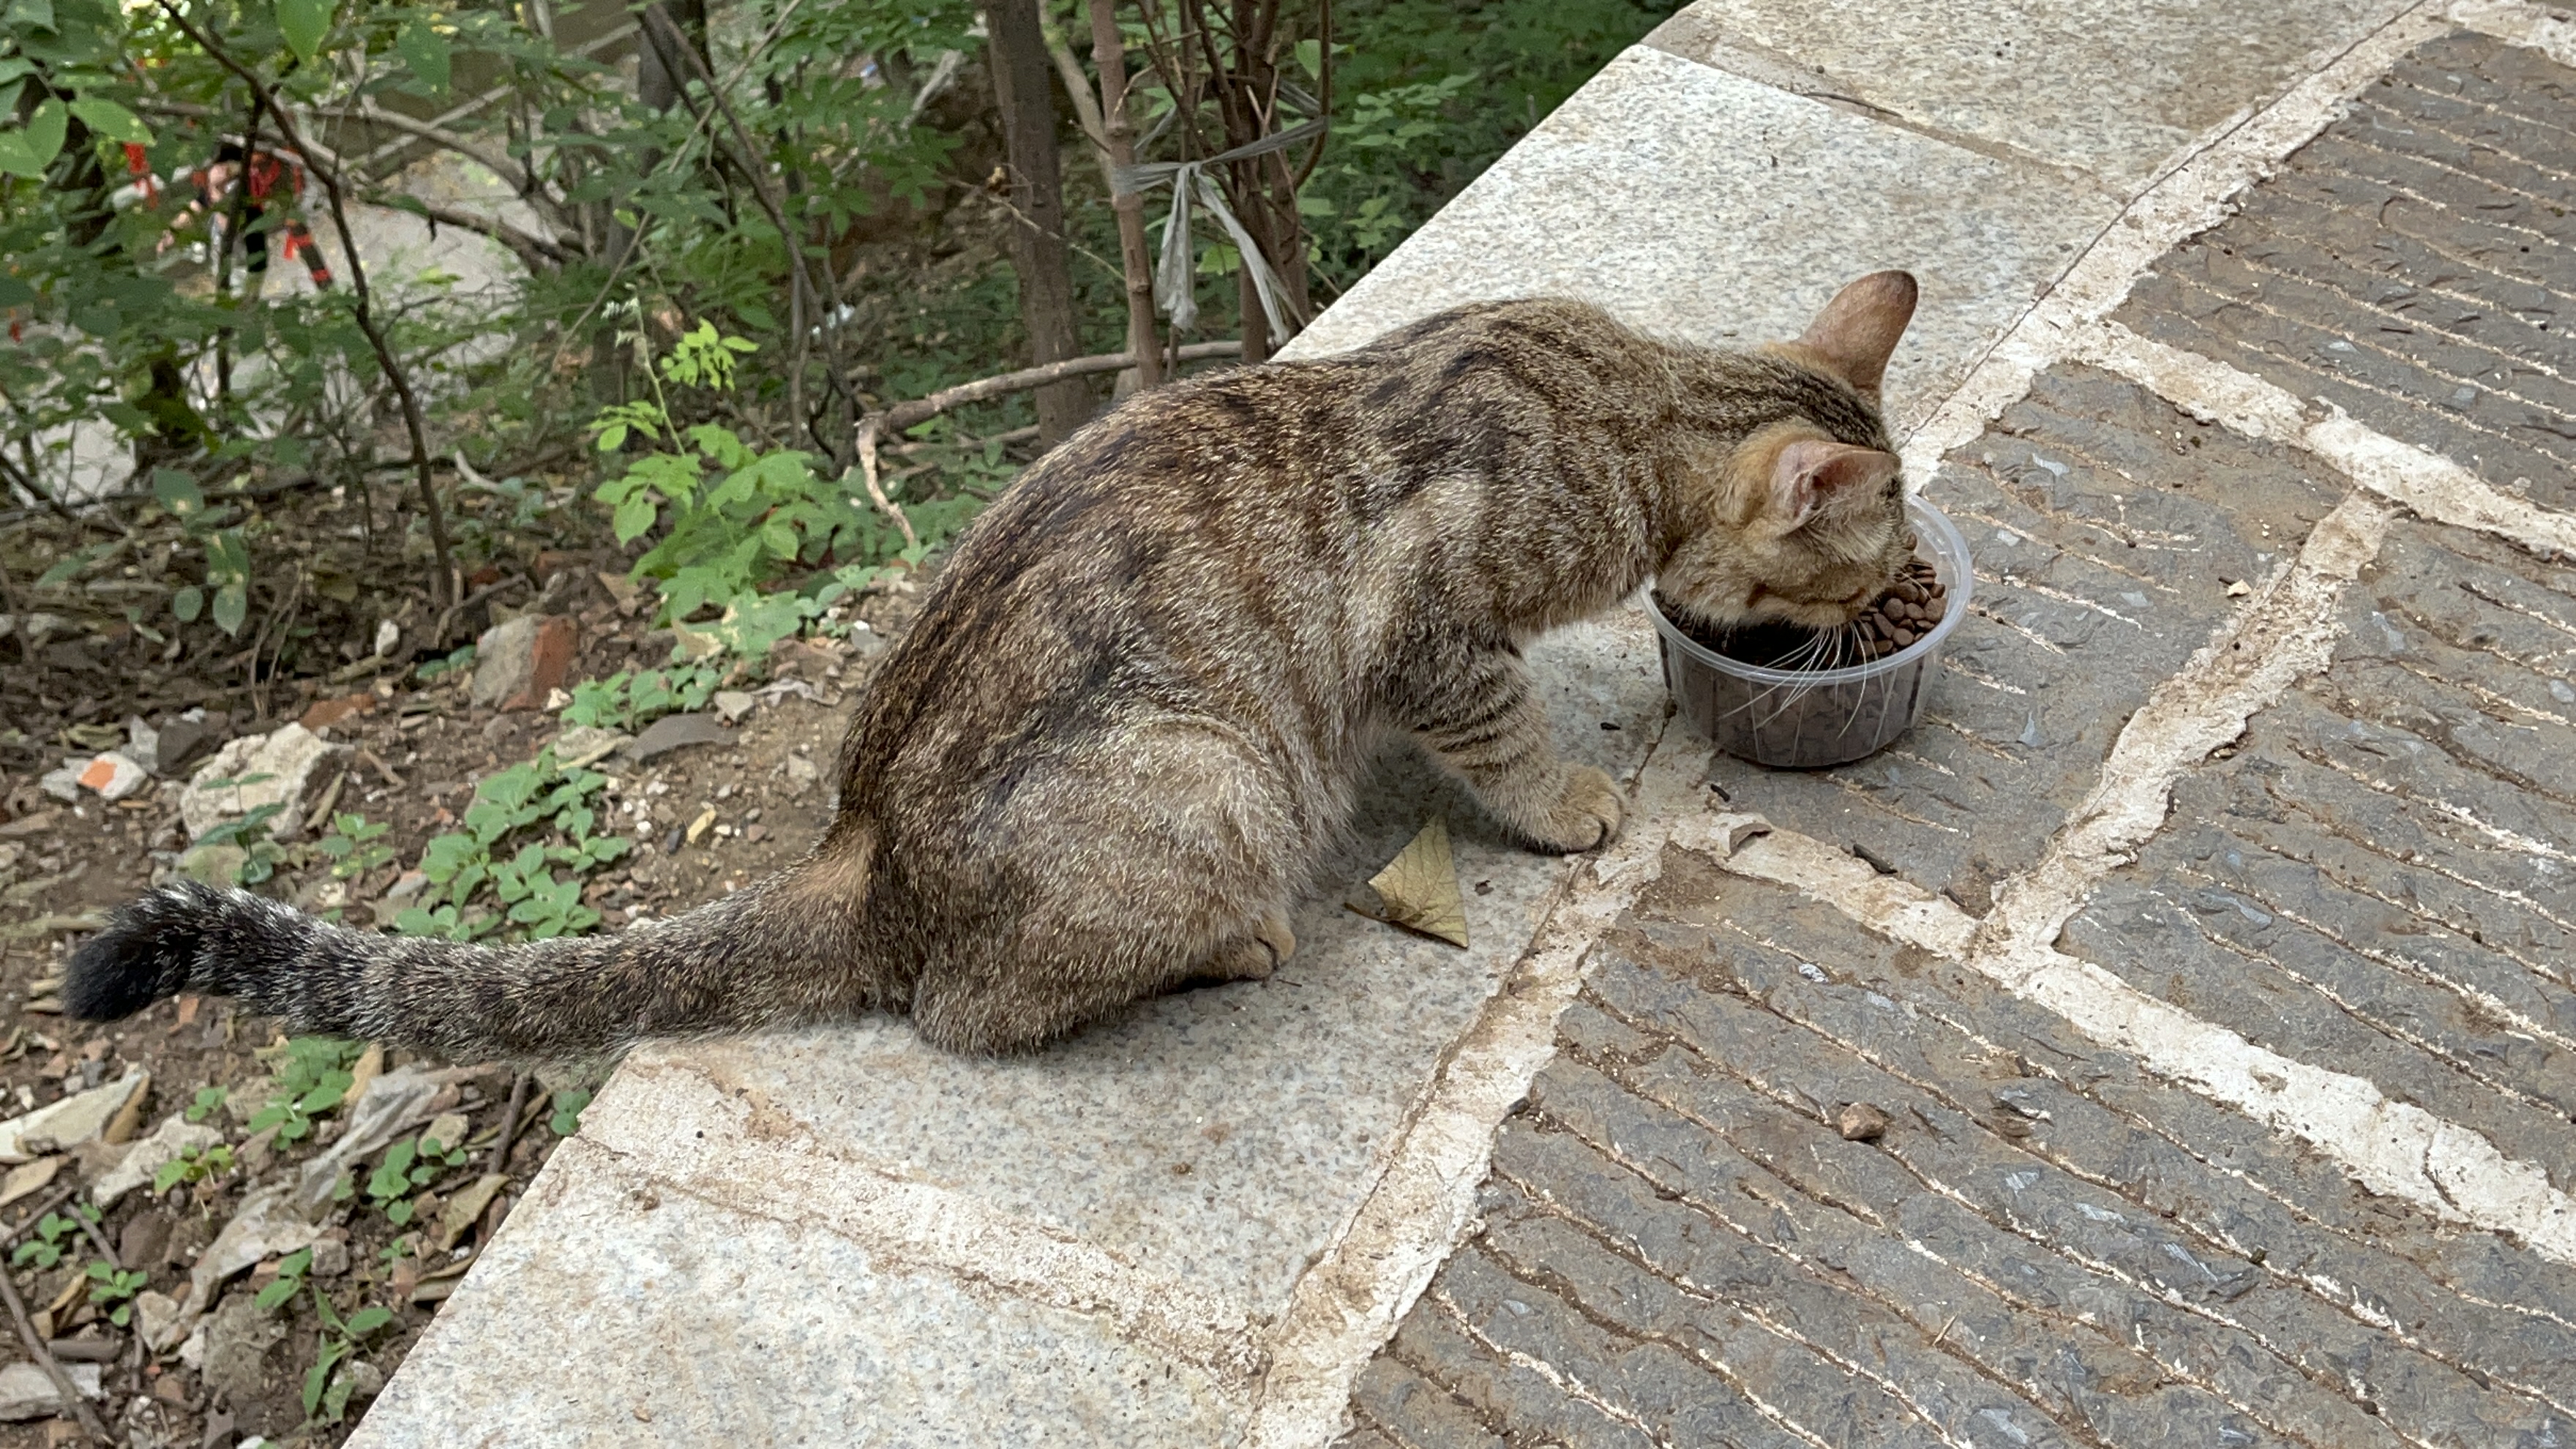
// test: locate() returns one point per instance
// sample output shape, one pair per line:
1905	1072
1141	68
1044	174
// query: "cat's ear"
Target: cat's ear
1859	328
1812	475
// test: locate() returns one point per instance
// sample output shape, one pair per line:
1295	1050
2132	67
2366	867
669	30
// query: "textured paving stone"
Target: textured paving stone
2413	265
2046	1237
2347	908
2106	527
2050	1244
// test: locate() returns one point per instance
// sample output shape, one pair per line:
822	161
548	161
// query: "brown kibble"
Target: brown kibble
1904	637
1861	1122
1894	609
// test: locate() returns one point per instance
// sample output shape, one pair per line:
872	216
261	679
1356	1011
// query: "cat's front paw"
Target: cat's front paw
1587	813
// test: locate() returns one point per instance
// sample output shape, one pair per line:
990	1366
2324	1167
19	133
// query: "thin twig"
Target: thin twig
869	429
106	1249
749	162
511	172
534	252
874	427
909	414
37	1213
35	1342
447	620
500	1160
445	584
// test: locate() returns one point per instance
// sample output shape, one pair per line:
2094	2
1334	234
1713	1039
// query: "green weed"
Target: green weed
309	1077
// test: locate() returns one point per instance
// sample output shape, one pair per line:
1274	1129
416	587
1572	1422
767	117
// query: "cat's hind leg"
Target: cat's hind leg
1160	855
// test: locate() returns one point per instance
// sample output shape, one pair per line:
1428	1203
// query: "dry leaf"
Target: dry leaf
1419	888
120	1128
462	1210
369	1066
28	1179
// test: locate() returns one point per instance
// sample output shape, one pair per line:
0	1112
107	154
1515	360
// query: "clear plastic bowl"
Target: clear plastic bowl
1805	719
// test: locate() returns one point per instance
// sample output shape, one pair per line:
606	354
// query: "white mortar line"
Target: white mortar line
2421	482
2287	630
2190	197
2392	1148
2516	23
1345	1306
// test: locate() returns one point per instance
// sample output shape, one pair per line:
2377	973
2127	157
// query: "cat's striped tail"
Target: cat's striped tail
762	956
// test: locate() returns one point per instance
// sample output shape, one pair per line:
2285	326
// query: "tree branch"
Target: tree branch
534	252
511	172
669	40
874	427
921	410
443	588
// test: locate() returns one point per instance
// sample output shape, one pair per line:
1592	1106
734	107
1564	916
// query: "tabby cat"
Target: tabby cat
1135	707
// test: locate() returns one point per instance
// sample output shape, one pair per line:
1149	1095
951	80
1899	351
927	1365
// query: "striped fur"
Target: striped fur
1136	703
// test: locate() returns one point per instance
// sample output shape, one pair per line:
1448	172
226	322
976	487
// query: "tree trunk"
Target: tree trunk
1027	105
1118	128
657	84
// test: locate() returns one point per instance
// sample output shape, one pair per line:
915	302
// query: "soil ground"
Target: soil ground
769	788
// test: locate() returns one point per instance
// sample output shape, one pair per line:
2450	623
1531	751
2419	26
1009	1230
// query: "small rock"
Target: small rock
63	784
28	1392
156	1317
505	659
70	1122
39	626
800	658
147	1156
1861	1122
863	641
388	634
581	745
266	1226
181	740
114	776
675	731
290	757
732	705
802	771
2239	589
399	897
364	1379
447	1129
214	865
143	743
238	1338
330	1257
144	1242
699	827
519	662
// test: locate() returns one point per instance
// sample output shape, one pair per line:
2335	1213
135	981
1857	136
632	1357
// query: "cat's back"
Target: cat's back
1210	547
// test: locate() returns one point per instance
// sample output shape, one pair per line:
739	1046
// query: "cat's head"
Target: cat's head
1802	519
